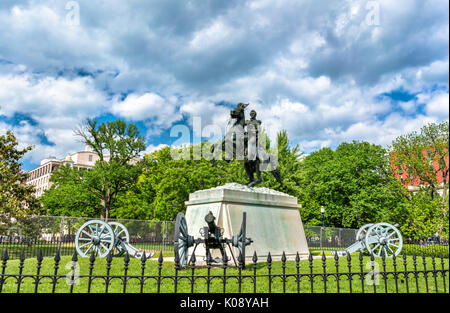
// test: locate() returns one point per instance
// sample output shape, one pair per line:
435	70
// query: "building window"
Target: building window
90	157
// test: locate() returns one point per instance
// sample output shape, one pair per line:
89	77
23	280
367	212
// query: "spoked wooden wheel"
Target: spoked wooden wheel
383	238
362	231
182	240
361	236
121	236
94	236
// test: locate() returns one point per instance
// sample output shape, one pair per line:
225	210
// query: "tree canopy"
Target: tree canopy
353	183
17	199
118	144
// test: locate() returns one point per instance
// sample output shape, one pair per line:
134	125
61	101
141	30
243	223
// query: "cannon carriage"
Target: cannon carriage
376	239
103	238
211	237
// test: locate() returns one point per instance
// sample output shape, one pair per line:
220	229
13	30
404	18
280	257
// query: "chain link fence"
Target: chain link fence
51	233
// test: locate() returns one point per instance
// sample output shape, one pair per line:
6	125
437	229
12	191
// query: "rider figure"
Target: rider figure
251	135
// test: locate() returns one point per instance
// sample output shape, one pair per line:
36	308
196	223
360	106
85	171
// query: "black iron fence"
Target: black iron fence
313	274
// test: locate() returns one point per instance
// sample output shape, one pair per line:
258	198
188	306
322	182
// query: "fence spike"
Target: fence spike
126	258
177	260
109	257
225	258
255	257
40	257
297	257
160	258
5	256
269	258
57	257
75	257
22	256
92	257
283	257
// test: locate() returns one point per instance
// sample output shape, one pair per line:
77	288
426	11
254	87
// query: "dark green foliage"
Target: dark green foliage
118	144
17	199
353	183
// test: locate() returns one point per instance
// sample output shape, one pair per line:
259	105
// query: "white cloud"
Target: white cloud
437	105
157	112
151	148
315	69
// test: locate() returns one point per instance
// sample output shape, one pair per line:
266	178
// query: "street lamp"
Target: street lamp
322	211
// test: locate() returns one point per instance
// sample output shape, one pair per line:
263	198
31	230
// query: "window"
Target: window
90	157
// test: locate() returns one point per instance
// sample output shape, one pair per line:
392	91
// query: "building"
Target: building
414	183
40	176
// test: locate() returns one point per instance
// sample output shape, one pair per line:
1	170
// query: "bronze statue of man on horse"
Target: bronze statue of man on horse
242	142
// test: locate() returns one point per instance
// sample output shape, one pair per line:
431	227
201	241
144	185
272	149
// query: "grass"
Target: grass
390	284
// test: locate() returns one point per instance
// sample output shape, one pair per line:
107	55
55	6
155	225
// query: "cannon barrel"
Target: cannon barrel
209	219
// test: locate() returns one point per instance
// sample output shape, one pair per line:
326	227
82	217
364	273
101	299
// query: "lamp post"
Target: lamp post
322	211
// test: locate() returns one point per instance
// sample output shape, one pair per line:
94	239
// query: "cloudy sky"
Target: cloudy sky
326	71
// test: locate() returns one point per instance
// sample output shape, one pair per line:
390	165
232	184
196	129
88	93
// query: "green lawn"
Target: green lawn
435	284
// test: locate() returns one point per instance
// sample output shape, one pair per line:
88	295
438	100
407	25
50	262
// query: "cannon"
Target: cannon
211	237
102	238
376	239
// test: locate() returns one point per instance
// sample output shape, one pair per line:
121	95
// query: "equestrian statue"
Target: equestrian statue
242	142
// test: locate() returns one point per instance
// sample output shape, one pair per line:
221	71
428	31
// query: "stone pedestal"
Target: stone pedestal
273	220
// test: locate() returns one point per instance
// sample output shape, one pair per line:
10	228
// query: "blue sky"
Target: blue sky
325	71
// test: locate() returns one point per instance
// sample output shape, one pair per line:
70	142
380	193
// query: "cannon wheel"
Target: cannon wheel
240	240
361	236
181	239
95	236
362	231
121	236
383	238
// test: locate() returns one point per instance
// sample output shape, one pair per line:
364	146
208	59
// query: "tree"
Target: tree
165	184
422	160
117	144
423	156
354	185
17	199
67	197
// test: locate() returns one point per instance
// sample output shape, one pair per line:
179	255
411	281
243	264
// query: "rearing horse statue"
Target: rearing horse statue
244	145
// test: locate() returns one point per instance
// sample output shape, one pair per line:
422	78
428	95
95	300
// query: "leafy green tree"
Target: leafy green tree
424	216
354	185
117	144
165	184
421	158
17	199
67	197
